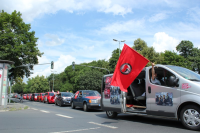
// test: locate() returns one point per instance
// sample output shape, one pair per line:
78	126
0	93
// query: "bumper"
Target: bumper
94	105
51	101
66	102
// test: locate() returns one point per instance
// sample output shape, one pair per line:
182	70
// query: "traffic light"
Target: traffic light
52	64
10	72
73	65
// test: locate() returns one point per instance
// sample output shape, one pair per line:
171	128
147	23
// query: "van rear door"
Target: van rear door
111	98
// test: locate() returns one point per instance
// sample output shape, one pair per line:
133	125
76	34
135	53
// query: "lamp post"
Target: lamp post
119	43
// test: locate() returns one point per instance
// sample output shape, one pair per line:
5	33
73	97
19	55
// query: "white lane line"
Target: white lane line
77	130
44	111
64	116
34	109
103	125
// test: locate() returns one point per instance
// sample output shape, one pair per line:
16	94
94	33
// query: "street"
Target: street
48	118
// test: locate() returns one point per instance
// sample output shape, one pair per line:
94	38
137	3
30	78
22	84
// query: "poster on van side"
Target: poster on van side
164	98
107	87
115	95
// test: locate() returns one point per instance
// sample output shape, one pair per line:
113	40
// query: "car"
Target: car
86	99
49	97
24	96
16	95
40	97
27	96
30	97
34	97
63	98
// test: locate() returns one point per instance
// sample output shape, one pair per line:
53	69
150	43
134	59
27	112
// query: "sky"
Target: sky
83	30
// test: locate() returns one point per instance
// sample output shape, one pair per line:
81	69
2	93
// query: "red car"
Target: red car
30	97
24	96
27	96
34	97
40	97
49	97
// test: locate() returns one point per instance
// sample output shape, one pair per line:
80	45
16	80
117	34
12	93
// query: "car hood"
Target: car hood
93	97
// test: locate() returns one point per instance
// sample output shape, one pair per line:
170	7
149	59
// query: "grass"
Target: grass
26	107
13	109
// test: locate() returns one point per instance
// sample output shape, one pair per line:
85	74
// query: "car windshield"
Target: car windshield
51	94
186	73
36	94
66	94
42	94
90	93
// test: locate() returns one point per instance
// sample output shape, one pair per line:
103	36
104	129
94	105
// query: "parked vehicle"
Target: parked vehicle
176	97
27	96
86	99
63	98
24	96
30	96
34	97
16	95
49	97
40	97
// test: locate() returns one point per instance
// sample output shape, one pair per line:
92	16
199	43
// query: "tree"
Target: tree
113	60
91	80
185	48
148	52
139	44
18	43
172	58
194	58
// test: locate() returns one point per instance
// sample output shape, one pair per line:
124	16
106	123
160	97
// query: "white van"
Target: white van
177	97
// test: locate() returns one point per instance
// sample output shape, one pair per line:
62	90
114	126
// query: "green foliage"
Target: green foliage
91	80
113	60
18	43
18	88
172	58
148	52
185	48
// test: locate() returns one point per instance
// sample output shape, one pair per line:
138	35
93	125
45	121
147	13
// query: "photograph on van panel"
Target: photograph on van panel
164	98
115	95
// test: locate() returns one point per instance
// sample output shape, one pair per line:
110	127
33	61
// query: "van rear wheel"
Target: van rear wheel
111	114
190	117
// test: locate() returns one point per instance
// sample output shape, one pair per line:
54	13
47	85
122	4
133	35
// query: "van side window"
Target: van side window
162	75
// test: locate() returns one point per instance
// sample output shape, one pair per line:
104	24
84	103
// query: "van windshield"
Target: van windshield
186	73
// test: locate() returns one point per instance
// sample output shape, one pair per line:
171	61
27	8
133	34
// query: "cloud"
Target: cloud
163	41
158	17
126	26
53	40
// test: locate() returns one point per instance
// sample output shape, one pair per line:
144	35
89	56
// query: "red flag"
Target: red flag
129	65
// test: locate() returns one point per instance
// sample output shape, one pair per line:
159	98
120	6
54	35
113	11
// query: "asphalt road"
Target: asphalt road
48	118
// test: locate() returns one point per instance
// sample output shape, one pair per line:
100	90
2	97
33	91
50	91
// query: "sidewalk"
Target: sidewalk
13	107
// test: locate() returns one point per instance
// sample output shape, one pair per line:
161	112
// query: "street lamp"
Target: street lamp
119	43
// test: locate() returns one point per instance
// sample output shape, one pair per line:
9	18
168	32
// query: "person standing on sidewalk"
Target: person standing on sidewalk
21	98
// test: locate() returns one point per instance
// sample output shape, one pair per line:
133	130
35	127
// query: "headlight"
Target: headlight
92	101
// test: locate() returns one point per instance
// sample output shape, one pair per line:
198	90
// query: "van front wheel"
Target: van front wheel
190	117
111	114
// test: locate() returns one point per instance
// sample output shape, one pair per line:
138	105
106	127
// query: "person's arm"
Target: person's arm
153	71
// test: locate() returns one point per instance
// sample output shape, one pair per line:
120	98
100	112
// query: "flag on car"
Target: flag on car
129	65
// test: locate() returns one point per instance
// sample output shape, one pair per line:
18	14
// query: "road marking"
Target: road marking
34	109
64	116
77	130
103	125
44	111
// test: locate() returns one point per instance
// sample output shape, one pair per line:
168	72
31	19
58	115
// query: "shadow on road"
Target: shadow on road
146	120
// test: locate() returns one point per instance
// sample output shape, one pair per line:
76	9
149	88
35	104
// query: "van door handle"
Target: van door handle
149	89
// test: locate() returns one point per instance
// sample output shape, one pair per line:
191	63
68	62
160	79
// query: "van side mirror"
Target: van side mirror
173	81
